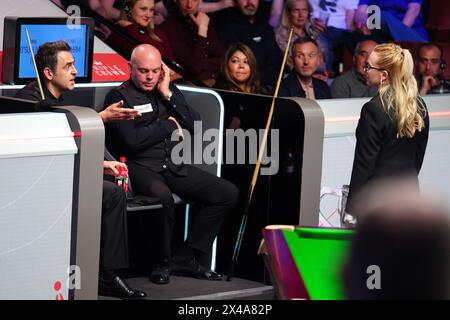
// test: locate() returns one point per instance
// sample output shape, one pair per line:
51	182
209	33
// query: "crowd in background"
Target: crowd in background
238	45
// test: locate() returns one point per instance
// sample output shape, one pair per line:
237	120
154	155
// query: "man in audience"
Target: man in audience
300	82
194	42
353	84
247	23
430	65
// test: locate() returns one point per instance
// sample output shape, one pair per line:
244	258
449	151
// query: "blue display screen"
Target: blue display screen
41	33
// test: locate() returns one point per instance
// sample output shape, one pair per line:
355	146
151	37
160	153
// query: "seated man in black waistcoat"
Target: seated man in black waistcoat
146	143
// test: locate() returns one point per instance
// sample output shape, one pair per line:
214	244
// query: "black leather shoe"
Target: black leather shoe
161	273
118	288
192	268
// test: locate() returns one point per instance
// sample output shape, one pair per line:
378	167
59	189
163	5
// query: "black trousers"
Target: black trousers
216	197
114	239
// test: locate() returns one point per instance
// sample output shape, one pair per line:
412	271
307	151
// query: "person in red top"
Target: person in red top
195	43
137	19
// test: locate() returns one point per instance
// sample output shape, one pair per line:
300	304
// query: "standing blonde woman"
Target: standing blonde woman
392	131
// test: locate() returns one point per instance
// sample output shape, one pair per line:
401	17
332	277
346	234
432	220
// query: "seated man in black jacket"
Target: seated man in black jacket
300	82
146	142
56	68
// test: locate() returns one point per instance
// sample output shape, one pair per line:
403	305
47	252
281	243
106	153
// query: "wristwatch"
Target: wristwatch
168	96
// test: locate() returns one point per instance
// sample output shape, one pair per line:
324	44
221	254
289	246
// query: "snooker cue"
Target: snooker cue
243	224
35	66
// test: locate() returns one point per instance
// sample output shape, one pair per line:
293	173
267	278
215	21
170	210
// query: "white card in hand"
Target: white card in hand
143	108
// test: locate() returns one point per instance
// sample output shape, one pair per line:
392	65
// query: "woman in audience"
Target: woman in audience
137	19
392	131
296	15
239	72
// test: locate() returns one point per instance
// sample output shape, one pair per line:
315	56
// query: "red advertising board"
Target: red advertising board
106	67
109	67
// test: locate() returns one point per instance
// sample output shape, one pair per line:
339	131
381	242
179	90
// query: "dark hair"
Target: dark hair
225	81
430	45
410	248
47	55
360	43
303	40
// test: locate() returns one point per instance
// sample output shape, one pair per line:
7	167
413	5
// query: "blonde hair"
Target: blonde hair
285	20
126	15
401	94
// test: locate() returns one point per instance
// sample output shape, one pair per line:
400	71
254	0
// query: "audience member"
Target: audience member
430	65
300	82
169	6
247	23
239	72
137	19
353	83
195	43
296	15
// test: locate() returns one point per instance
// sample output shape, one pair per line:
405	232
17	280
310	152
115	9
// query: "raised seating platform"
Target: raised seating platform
183	288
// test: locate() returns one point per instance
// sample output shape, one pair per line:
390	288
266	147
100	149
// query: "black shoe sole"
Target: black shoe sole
109	293
194	275
160	281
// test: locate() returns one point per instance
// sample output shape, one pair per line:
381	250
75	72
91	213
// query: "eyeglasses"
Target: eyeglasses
368	67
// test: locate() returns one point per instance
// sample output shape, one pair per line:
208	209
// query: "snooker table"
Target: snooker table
306	262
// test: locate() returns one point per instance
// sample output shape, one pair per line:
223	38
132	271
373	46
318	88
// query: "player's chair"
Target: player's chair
141	202
210	107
